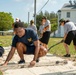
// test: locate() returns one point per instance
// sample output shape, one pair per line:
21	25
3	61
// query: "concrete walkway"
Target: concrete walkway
52	69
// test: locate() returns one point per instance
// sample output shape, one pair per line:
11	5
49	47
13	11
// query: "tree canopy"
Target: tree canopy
6	21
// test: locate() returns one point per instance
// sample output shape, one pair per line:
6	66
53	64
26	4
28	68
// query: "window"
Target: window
68	14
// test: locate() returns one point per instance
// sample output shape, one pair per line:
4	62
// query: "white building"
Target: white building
68	11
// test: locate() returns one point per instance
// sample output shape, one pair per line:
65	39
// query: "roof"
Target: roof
68	6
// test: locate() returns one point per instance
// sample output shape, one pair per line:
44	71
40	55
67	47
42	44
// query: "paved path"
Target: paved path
60	69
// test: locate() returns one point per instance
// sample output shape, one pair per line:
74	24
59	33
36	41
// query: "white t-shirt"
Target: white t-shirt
48	24
69	26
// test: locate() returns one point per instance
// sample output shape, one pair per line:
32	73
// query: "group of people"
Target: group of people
26	40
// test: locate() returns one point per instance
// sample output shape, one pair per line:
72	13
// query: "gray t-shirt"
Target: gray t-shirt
48	24
33	27
69	26
41	28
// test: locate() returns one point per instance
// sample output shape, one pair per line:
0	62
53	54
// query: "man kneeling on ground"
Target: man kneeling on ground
25	42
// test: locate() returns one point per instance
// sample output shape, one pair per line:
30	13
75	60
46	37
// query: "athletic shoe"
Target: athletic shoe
37	60
67	55
21	61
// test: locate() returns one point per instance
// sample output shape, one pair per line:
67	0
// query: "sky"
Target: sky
20	8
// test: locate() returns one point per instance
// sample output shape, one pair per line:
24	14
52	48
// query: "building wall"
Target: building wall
63	14
72	15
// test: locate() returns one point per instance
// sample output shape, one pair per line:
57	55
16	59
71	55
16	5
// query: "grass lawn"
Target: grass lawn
5	41
1	73
59	49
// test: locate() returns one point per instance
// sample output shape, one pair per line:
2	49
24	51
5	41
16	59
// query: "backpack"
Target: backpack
1	51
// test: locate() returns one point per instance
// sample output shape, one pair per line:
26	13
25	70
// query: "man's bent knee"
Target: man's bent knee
20	45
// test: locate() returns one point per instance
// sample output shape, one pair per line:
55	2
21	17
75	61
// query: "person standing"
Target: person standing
69	35
32	26
46	31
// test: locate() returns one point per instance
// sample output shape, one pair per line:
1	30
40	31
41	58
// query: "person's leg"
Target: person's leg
75	47
45	45
21	49
42	51
66	48
67	42
74	43
74	40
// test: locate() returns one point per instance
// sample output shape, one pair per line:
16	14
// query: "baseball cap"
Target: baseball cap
17	19
61	20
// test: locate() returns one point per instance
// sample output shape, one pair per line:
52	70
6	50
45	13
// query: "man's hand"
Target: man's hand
62	40
10	55
5	64
32	63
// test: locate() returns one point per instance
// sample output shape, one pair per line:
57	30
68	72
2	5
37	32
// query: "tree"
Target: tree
25	25
54	24
52	15
47	15
6	21
38	19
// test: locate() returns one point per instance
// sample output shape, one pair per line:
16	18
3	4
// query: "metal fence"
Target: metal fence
3	33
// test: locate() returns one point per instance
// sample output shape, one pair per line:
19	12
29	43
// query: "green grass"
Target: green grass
1	73
5	41
59	49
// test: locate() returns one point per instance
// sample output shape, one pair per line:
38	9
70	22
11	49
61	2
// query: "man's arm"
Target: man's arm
65	31
37	47
10	55
32	63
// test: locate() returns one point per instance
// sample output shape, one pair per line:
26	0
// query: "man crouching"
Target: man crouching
25	42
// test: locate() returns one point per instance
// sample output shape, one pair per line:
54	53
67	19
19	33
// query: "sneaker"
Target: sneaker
37	60
21	62
67	55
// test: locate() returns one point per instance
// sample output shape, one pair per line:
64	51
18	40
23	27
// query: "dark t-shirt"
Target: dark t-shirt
28	39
